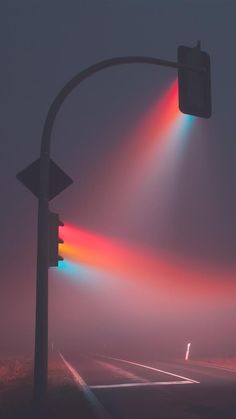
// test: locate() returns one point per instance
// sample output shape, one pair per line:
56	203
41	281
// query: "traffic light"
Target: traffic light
194	86
54	239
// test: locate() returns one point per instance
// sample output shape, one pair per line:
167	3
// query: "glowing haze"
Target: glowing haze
117	297
150	232
134	292
86	253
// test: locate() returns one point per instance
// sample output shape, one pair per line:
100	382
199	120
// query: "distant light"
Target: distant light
187	352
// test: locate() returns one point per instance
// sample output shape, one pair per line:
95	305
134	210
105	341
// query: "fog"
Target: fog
144	315
151	263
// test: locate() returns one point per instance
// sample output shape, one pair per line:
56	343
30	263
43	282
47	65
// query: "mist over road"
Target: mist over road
142	389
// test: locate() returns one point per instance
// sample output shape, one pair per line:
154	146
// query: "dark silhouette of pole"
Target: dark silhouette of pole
41	328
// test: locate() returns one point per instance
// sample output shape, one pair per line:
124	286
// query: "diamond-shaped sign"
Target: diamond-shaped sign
58	180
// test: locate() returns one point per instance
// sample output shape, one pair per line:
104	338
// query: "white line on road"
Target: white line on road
154	369
98	408
150	383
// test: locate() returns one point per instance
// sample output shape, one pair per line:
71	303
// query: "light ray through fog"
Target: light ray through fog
96	257
160	168
150	129
160	163
172	144
82	273
127	158
154	144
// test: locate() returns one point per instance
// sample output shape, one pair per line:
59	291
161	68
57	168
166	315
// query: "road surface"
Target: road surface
133	389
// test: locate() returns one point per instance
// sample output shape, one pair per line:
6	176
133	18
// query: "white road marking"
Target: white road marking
149	383
82	385
154	369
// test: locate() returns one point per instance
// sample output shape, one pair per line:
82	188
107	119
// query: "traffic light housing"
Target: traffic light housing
54	239
194	86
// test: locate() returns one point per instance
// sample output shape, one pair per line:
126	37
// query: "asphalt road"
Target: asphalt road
134	389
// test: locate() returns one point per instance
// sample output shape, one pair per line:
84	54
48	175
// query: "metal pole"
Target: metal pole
41	330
